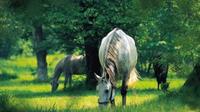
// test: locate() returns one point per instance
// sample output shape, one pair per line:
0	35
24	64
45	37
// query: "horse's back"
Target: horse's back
127	51
124	49
76	64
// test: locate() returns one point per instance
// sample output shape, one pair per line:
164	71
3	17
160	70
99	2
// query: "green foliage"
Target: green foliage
7	45
8	34
170	27
98	18
25	47
166	28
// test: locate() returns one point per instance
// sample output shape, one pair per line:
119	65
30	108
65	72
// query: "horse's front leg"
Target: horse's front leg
123	92
158	86
112	100
70	80
113	103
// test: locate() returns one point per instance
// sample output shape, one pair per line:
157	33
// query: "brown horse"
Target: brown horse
161	70
69	65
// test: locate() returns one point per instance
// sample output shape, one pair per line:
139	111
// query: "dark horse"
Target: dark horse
69	65
161	71
118	57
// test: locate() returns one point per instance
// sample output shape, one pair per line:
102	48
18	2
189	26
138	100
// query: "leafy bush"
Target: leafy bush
25	47
7	45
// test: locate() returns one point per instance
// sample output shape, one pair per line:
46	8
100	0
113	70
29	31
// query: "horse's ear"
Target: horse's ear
97	77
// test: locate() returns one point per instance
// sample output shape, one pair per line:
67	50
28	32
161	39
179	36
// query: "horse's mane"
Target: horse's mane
111	72
111	56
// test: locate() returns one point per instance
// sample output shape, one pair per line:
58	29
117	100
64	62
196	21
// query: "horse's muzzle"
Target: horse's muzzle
103	104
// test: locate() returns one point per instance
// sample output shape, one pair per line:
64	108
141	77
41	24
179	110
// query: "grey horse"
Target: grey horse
69	65
118	58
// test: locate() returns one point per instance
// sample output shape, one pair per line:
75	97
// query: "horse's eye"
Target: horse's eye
106	91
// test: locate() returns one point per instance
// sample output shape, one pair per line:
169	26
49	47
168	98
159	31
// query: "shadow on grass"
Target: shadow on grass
151	90
5	77
76	90
29	82
192	100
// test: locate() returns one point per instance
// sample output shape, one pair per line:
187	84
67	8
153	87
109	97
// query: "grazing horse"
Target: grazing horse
118	58
161	70
69	65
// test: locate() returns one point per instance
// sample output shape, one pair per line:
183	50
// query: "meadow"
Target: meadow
19	91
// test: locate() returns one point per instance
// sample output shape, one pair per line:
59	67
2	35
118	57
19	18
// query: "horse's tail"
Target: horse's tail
134	76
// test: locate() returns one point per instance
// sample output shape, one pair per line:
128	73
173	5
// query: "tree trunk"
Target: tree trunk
41	52
93	65
192	84
91	44
149	68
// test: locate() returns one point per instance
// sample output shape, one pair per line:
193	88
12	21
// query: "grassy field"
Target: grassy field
20	92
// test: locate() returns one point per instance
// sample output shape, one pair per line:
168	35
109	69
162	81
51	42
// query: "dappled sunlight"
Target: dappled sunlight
138	100
27	91
58	102
146	84
176	83
142	97
152	84
24	62
62	102
26	77
31	87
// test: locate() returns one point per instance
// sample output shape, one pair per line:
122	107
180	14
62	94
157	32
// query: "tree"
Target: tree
96	20
193	81
91	48
190	43
32	14
41	52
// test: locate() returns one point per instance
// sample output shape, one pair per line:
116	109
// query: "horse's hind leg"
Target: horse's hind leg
66	80
70	80
123	92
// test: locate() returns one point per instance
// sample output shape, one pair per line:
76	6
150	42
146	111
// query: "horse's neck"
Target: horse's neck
111	71
58	70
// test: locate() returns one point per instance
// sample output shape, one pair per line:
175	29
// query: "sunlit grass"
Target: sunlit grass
36	96
24	66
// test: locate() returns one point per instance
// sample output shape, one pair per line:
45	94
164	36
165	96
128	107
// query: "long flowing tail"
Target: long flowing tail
134	76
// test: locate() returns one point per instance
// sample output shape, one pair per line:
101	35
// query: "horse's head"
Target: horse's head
104	89
54	86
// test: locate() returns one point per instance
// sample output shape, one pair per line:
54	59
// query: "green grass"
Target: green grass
26	94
